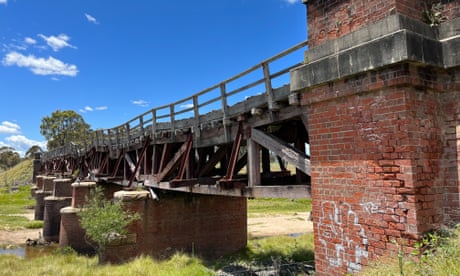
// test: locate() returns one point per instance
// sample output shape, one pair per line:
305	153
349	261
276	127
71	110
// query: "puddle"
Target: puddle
29	252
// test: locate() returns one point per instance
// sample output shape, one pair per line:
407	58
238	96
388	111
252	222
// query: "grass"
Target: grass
21	173
442	257
273	206
12	206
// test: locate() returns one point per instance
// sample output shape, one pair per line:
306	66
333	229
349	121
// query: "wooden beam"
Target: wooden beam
292	155
253	163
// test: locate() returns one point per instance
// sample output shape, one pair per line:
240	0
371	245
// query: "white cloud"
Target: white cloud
40	66
91	18
9	128
90	109
21	143
57	42
291	1
29	40
4	2
141	103
186	106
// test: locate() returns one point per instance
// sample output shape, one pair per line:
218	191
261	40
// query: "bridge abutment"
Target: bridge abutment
381	92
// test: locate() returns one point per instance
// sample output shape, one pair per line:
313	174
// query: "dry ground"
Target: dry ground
258	226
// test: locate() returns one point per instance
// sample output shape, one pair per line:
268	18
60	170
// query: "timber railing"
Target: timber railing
205	107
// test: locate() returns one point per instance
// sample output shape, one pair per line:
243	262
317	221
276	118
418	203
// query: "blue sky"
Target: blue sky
113	60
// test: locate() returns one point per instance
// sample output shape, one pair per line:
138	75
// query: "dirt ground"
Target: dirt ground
260	226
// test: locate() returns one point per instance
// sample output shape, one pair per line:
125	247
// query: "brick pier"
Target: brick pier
381	89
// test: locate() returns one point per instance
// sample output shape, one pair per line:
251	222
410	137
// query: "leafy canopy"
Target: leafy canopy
104	220
64	127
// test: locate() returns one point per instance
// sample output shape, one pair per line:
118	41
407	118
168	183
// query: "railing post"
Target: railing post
154	124
173	120
141	125
128	133
272	105
225	121
196	112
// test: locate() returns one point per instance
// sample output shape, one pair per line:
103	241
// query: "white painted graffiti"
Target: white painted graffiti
343	238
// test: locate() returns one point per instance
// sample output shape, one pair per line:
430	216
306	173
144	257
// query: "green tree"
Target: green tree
30	152
8	158
103	220
64	127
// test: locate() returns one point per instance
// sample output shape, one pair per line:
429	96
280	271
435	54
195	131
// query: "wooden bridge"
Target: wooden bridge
234	138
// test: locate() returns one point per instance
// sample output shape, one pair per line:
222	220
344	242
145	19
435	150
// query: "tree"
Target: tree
8	158
64	127
31	152
103	220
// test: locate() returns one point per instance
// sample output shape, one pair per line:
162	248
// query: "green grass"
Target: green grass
22	172
282	206
442	258
72	264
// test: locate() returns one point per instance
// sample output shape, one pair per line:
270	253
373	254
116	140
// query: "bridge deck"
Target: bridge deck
201	144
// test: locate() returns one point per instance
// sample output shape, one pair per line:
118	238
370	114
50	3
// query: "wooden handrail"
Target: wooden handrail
122	134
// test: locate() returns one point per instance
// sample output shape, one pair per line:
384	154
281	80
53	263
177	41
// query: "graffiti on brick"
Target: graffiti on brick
343	238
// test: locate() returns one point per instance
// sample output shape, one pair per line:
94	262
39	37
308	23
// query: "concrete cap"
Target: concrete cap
56	198
84	184
131	195
70	210
63	180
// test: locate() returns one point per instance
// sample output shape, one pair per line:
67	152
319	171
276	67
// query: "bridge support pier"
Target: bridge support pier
208	226
381	96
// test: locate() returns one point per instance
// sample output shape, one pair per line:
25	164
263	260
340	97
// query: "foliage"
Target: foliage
64	127
31	152
433	14
8	158
438	253
104	220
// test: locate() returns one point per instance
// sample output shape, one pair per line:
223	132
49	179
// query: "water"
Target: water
29	252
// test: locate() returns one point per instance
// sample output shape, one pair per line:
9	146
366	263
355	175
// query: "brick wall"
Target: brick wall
332	19
210	226
382	144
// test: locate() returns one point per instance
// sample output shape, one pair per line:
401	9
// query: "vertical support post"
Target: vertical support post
225	120
268	88
173	120
196	112
154	124
266	162
253	163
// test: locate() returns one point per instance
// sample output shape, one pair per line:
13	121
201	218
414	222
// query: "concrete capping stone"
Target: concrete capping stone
63	180
70	210
414	43
84	184
131	195
56	198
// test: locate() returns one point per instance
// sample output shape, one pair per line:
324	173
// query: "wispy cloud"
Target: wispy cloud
9	128
141	103
40	66
4	2
30	40
21	143
91	19
291	1
91	109
57	42
186	106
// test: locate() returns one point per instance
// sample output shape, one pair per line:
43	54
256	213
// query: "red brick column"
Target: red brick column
384	163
